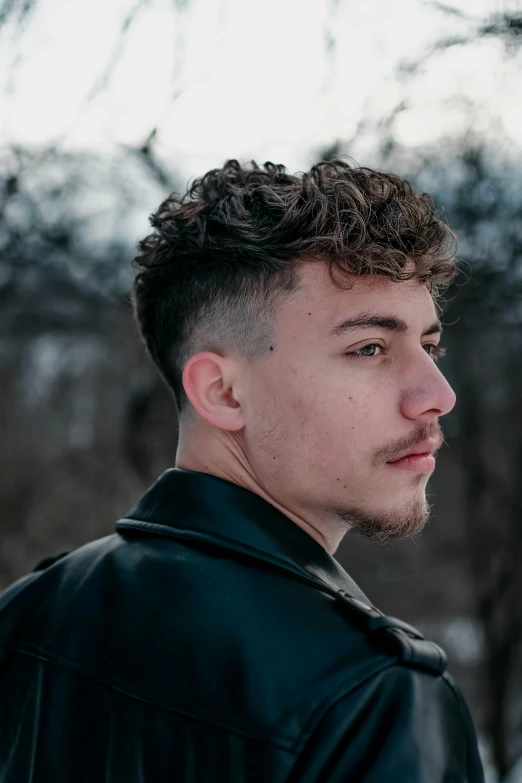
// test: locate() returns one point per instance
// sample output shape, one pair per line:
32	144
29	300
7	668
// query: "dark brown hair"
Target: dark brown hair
223	257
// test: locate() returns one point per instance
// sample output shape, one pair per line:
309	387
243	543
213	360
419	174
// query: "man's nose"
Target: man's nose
427	392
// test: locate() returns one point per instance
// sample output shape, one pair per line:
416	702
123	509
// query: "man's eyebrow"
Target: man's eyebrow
381	320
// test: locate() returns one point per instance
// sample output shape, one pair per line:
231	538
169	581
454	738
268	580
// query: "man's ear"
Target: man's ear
208	380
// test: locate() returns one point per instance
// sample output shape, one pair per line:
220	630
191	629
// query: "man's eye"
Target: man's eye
436	351
360	353
369	351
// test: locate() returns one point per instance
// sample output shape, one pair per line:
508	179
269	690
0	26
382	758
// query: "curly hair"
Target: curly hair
223	257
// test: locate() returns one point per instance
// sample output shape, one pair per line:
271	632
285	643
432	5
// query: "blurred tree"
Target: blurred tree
80	402
486	371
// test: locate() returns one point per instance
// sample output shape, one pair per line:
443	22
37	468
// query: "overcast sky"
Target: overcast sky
229	78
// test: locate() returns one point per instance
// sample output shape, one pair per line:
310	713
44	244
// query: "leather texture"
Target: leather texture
210	639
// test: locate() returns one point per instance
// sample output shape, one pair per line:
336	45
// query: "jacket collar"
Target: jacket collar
188	504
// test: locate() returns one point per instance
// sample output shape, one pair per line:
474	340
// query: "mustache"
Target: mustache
428	431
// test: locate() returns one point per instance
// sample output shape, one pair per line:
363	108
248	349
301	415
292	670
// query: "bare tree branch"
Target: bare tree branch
103	79
447	9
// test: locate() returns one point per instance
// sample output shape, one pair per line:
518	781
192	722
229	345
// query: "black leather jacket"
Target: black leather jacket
211	639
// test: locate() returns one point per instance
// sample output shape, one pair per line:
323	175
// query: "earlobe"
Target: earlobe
207	383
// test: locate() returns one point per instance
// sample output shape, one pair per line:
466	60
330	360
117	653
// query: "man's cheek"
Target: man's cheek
360	411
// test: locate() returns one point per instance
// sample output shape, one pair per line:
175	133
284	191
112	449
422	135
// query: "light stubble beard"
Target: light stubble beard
388	525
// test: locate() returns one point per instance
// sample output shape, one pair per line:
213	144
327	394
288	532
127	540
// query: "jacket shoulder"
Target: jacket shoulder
201	632
418	723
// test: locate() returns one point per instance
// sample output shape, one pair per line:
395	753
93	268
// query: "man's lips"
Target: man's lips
426	447
419	459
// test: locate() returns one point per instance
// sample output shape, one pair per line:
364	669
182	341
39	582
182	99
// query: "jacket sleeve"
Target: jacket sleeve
403	725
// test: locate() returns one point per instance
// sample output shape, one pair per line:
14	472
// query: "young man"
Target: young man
214	637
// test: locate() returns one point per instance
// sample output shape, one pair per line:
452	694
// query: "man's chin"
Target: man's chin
383	525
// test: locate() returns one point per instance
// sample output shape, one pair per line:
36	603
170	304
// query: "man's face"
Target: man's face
326	413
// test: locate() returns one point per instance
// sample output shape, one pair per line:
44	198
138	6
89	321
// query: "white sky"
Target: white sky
252	78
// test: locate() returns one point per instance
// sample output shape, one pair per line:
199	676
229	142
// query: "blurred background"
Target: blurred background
105	108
